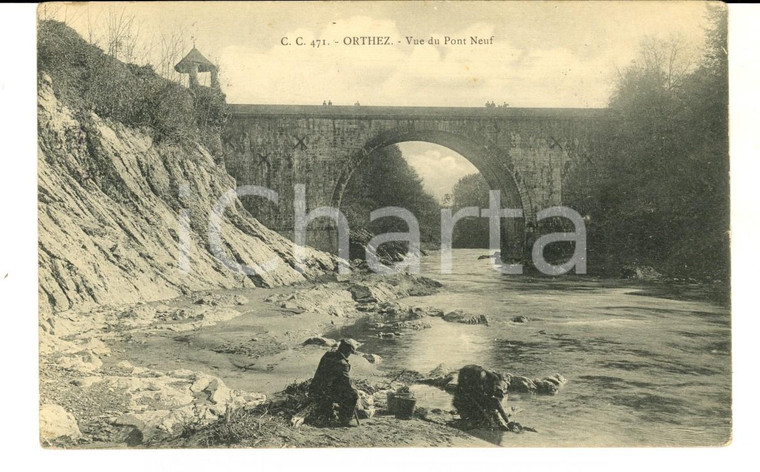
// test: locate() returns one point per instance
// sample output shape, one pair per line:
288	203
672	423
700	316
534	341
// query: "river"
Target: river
642	370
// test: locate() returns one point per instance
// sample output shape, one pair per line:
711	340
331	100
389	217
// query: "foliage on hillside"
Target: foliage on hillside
386	179
87	79
471	191
660	193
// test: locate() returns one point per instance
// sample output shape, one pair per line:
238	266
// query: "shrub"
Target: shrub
85	78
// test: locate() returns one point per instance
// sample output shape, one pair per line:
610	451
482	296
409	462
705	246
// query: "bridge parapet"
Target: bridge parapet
360	111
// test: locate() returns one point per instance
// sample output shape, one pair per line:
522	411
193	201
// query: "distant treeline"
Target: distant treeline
658	196
471	191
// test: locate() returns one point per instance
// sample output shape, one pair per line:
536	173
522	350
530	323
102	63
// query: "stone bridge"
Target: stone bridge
523	152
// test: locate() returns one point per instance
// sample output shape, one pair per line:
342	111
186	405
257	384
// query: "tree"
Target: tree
121	35
659	196
471	191
386	179
172	46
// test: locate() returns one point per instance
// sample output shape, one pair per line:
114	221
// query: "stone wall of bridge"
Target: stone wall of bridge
525	153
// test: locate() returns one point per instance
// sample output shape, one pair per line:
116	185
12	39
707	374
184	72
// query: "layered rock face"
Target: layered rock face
114	205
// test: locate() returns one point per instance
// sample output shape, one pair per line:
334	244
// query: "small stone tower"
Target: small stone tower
194	63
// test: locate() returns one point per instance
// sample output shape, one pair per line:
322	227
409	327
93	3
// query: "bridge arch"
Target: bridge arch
524	152
492	163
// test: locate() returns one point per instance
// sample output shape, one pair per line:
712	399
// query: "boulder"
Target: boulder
519	384
440	377
164	407
320	341
138	315
51	344
219	395
152	424
292	307
56	423
639	273
413	324
459	316
520	319
125	365
361	293
86	382
424	286
240	300
84	361
97	347
549	385
365	407
373	358
208	299
431	311
336	311
546	386
394	316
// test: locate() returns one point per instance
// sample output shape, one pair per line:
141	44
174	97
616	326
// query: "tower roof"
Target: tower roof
194	57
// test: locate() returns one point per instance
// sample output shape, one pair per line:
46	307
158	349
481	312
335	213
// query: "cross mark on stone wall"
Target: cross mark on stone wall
264	157
300	142
554	143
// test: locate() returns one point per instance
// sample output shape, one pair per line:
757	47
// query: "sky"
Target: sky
543	54
440	167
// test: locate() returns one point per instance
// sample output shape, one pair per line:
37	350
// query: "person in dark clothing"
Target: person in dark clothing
479	395
332	384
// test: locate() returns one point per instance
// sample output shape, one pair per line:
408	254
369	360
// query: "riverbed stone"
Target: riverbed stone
56	423
365	406
361	293
543	386
84	362
373	358
461	316
320	341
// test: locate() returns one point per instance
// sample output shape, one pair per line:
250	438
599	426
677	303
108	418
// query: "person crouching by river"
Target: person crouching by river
478	398
332	384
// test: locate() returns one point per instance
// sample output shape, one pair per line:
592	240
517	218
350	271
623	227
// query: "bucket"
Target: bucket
402	405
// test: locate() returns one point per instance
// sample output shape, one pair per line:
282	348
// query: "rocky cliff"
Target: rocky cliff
110	212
